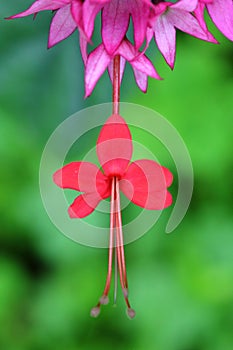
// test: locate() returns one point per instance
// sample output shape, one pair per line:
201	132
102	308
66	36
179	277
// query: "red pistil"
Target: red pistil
115	232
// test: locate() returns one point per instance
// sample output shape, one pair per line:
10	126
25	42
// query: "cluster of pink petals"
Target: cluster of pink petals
156	18
144	182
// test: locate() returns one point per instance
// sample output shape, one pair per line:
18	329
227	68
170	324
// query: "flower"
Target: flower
99	59
69	15
156	18
168	16
144	182
221	13
115	22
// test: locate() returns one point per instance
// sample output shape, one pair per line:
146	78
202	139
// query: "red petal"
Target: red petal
114	146
83	177
145	184
83	205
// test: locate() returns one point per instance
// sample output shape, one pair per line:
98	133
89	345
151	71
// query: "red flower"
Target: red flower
144	182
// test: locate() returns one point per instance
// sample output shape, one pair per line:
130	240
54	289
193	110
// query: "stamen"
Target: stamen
117	235
120	252
104	298
121	243
115	270
111	241
131	313
95	311
119	259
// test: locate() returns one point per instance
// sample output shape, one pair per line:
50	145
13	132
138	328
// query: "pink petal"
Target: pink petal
42	5
221	13
187	23
199	14
145	184
76	10
83	205
97	62
149	36
114	146
144	65
83	47
115	22
165	37
62	26
127	50
141	79
83	177
137	59
140	13
90	11
100	1
186	5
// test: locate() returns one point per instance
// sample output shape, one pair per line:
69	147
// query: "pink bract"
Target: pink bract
221	13
167	17
157	18
98	60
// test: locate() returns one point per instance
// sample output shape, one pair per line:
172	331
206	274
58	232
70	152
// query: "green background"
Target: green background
181	284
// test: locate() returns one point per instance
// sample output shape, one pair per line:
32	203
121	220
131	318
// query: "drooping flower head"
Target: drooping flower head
167	17
221	13
156	18
144	182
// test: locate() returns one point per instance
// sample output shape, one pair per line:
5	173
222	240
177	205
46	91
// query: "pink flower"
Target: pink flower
70	14
115	22
99	59
221	13
144	182
150	18
167	17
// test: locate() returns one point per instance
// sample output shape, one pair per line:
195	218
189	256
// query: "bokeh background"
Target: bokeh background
181	284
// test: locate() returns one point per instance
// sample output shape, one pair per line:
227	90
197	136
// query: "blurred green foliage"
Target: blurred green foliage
181	284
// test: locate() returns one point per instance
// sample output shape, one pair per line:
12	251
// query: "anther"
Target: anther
95	311
130	313
104	300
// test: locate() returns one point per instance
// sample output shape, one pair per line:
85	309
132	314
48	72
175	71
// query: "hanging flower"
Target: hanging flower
99	60
69	15
157	18
115	22
221	13
144	182
167	17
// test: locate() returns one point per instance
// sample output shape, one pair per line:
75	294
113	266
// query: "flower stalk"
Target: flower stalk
116	85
